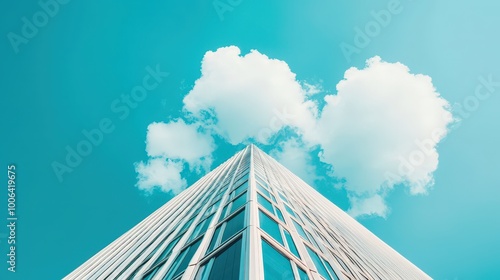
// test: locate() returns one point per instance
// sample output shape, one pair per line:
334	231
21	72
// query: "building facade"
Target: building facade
250	218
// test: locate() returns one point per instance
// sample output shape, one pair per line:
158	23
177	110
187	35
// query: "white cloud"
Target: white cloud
180	141
372	131
296	157
170	146
380	130
160	173
248	97
311	89
374	205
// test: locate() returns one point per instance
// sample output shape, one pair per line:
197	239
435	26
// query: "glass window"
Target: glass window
279	214
199	209
241	188
135	271
233	225
261	181
225	265
223	214
212	208
263	190
299	218
283	197
167	251
215	238
201	227
152	252
240	174
308	219
276	266
290	243
238	202
330	269
317	262
204	200
290	211
312	240
265	203
219	196
182	261
150	274
223	187
302	274
187	224
300	230
270	227
239	181
272	198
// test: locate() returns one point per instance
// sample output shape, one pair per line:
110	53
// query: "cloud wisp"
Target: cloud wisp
381	128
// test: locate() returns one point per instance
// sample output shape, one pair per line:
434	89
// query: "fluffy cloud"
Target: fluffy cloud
374	205
160	173
170	147
177	140
381	129
296	157
248	97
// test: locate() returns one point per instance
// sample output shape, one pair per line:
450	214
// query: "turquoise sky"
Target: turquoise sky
81	59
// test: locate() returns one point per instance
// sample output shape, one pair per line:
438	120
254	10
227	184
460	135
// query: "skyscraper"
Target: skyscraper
250	218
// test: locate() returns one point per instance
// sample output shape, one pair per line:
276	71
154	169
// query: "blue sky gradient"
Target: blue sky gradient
67	76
